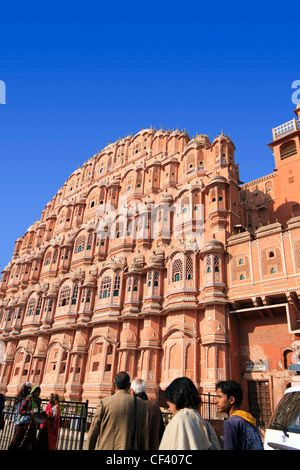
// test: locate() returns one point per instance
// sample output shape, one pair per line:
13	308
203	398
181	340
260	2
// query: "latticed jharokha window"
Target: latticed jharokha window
129	228
119	229
271	261
149	281
208	264
150	277
49	305
86	295
177	270
105	288
117	285
80	242
64	298
39	306
189	268
31	307
47	260
89	242
55	256
240	268
75	294
297	254
135	284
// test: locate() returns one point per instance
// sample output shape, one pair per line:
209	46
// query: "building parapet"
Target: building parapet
259	180
286	128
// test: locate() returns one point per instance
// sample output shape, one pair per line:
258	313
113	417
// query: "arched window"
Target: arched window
135	284
49	305
208	264
86	295
273	271
129	228
241	261
117	285
242	277
75	294
189	268
47	259
64	298
216	261
31	307
55	256
39	306
177	270
89	242
119	229
105	288
80	243
139	179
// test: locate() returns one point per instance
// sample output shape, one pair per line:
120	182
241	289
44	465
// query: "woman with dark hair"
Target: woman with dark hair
187	430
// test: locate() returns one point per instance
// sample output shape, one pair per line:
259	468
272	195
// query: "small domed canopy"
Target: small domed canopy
213	245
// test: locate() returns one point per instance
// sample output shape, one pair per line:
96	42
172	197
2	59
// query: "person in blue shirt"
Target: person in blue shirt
240	430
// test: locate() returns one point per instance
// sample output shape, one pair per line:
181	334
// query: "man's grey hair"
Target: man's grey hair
138	385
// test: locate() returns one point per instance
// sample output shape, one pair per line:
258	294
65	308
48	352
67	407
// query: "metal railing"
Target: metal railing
74	422
208	407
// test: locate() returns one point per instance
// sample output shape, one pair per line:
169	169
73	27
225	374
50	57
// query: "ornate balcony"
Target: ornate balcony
286	128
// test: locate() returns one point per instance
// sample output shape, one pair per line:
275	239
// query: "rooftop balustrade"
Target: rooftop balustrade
285	128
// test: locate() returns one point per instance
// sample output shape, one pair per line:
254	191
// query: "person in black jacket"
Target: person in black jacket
156	425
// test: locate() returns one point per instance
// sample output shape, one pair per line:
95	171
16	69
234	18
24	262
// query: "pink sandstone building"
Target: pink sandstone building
154	258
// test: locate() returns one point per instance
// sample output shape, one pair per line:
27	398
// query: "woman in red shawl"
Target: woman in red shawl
49	428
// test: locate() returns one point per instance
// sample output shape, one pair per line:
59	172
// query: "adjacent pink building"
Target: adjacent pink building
154	258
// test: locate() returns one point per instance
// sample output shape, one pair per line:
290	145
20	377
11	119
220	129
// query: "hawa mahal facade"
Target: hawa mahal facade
156	259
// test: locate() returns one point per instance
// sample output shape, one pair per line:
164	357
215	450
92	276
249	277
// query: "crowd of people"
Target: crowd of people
35	429
128	420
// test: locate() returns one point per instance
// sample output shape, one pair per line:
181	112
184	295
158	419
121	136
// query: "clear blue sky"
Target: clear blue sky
81	74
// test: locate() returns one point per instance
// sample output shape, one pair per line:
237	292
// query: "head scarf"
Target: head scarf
34	402
56	400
